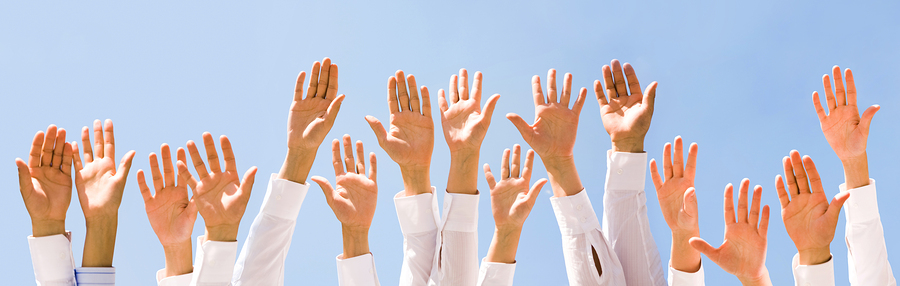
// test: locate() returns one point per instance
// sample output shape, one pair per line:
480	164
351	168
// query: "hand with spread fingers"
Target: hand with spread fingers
552	135
310	119
743	253
678	201
355	197
465	125
171	213
410	141
511	202
843	127
808	217
46	181
100	187
220	195
625	117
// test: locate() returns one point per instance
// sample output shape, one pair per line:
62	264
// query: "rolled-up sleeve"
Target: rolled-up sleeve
214	263
809	275
866	250
681	278
52	259
496	274
357	271
419	218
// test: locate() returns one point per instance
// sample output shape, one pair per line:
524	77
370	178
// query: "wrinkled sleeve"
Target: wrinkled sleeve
459	241
496	274
808	275
866	250
52	259
214	263
418	216
357	271
581	235
681	278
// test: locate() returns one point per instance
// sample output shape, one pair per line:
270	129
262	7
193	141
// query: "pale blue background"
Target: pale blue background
736	78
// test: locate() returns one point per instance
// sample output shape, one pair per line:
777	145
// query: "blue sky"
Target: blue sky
735	77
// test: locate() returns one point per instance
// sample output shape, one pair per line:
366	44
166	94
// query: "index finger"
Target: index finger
536	91
633	84
228	155
109	147
324	73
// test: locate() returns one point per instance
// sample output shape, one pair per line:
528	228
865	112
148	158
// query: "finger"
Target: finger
619	77
168	170
799	173
690	170
332	90
109	141
212	155
360	158
314	80
815	181
454	88
551	86
536	91
181	157
75	160
792	189
851	87
783	196
514	163
743	196
678	163
654	174
818	105
247	184
228	154
634	86
426	101
829	93
601	96
729	204
373	174
25	184
99	153
376	126
326	188
199	166
650	95
520	124
866	120
667	160
535	191
125	164
579	102
336	157
349	162
610	83
764	222
703	247
184	175
34	155
322	86
142	186
476	87
489	176
154	172
834	209
840	96
333	108
567	90
393	102
463	84
442	101
47	149
298	87
86	142
754	206
58	148
504	165
489	108
690	202
529	162
414	103
401	91
68	155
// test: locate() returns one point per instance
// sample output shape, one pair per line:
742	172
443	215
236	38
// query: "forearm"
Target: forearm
416	180
178	258
224	233
99	241
356	241
296	165
856	171
504	245
814	256
41	228
563	175
684	257
463	177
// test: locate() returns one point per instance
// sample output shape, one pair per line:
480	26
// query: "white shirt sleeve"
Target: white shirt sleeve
581	233
681	278
261	261
459	241
496	274
809	275
357	271
95	276
419	217
866	250
52	259
179	280
625	219
214	263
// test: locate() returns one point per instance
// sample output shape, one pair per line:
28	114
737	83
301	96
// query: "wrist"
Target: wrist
856	171
815	256
178	258
297	164
563	175
630	145
416	180
463	175
99	241
684	257
762	278
356	241
504	244
41	228
222	233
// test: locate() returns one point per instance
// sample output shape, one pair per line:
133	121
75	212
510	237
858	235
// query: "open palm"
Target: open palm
171	213
410	141
511	199
552	135
100	185
46	180
356	195
679	180
464	122
310	118
843	127
625	117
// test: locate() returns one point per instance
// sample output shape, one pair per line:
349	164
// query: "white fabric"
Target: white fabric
179	280
52	259
625	220
866	250
457	261
419	218
581	233
496	274
214	263
95	276
681	278
357	271
813	275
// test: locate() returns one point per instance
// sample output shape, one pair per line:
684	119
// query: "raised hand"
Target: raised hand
844	129
809	219
411	139
625	117
310	119
100	187
511	202
171	213
465	125
552	135
678	201
743	253
220	196
46	181
356	195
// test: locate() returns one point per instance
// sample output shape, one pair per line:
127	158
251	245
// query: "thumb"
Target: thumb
25	184
125	164
380	133
535	191
690	202
866	118
650	95
247	183
520	124
489	108
333	109
834	209
326	188
184	175
701	245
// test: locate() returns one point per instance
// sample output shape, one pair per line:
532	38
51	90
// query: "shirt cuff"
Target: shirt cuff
626	171
85	276
179	280
215	261
862	206
681	278
807	275
284	198
460	212
574	213
417	214
499	274
52	258
357	271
